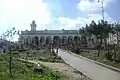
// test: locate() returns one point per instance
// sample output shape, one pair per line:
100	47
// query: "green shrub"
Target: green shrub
117	57
108	56
23	70
77	51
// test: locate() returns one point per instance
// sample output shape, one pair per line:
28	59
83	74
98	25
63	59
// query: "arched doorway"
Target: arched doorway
83	41
33	41
36	41
29	42
76	44
64	40
56	41
70	40
26	42
48	40
42	41
76	40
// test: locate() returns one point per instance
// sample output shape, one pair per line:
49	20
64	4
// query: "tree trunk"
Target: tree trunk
105	42
10	62
115	51
117	37
98	52
99	47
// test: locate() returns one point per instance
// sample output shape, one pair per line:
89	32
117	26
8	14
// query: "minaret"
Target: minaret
33	26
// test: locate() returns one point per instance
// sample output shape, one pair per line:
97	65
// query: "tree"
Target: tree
117	29
101	31
9	35
85	32
116	49
107	28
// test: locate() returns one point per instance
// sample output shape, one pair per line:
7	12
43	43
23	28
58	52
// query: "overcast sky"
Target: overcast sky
54	14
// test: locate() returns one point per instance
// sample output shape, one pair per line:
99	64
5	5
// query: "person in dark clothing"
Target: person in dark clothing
38	70
57	50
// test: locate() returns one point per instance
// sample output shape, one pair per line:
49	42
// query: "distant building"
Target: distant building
46	37
3	43
112	38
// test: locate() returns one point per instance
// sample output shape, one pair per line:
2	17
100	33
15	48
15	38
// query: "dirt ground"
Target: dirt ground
68	72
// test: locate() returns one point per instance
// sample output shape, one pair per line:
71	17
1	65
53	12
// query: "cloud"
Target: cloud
98	16
67	23
91	5
20	13
86	5
93	9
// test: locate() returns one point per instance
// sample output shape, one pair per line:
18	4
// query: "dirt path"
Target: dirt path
68	72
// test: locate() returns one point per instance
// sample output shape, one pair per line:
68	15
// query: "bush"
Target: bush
114	53
4	51
24	70
117	59
108	56
77	51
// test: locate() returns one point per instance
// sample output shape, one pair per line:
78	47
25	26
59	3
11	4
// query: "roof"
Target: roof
41	32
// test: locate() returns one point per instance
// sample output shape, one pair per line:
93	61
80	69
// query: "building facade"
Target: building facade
112	38
42	38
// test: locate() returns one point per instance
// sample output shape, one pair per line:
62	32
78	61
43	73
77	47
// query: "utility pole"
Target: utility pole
102	3
102	6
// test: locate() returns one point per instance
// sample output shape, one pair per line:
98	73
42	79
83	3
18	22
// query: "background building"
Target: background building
43	38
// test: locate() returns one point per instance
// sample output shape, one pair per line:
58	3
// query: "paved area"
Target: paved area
92	70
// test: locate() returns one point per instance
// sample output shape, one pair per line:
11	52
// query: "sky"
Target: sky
55	14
